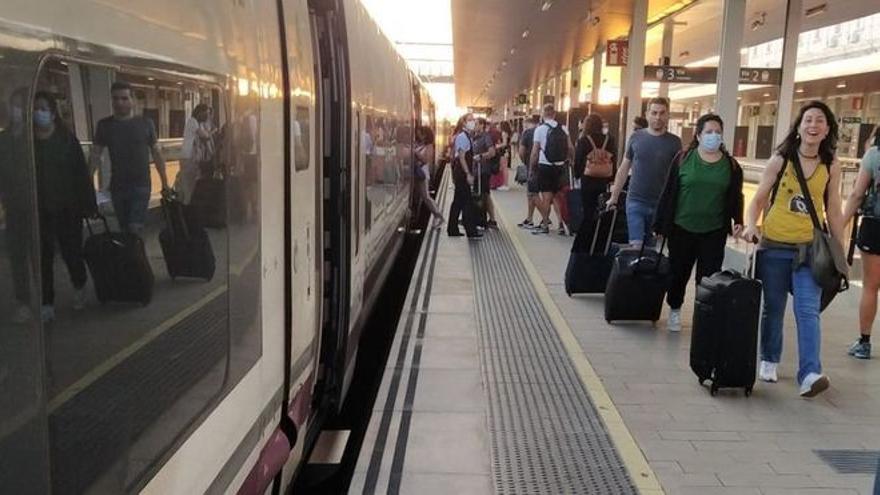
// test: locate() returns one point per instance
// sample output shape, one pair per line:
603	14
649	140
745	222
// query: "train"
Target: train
220	385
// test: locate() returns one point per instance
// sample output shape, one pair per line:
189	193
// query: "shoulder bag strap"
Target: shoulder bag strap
799	172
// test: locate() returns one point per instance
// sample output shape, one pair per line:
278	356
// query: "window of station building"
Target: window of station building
140	341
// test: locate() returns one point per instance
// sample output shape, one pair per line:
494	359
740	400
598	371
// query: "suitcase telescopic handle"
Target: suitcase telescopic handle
103	220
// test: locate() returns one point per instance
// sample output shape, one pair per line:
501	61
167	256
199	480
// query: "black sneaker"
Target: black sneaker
541	229
561	230
493	224
526	224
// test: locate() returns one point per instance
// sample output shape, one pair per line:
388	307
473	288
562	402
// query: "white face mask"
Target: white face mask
470	125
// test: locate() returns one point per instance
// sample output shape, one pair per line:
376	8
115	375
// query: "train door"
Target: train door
328	28
304	221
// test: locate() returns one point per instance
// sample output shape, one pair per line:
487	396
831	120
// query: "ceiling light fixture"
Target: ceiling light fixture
547	5
766	95
799	90
758	21
684	54
525	34
817	10
512	51
841	85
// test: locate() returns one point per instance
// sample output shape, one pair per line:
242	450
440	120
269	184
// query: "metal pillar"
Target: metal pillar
793	22
666	52
635	73
734	15
598	57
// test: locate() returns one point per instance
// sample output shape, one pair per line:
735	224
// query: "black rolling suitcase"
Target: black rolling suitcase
119	266
588	271
638	281
620	233
186	246
209	202
724	339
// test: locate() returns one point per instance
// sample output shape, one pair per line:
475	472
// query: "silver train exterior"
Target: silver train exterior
215	386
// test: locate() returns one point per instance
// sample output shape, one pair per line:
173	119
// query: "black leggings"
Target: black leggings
687	248
66	229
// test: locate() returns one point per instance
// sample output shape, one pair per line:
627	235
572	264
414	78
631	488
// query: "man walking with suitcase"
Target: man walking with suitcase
649	154
130	139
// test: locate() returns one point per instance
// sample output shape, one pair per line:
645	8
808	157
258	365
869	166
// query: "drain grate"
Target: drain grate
546	434
851	461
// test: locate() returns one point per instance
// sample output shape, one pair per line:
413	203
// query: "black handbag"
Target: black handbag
827	259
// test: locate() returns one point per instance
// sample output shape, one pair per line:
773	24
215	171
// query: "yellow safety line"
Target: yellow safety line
639	470
102	369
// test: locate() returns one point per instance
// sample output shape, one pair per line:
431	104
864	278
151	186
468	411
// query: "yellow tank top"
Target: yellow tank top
789	220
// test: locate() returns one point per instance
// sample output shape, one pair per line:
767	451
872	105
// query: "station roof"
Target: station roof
502	47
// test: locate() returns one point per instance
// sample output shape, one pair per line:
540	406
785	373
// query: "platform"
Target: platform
500	383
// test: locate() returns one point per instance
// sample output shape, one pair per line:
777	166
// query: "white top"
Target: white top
190	135
540	138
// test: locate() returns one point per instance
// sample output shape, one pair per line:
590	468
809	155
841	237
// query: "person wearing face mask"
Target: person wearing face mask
701	204
463	178
16	200
65	195
785	237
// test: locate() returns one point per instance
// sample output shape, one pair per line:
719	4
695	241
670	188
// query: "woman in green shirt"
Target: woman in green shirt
701	205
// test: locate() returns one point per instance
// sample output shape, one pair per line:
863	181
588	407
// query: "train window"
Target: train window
24	448
150	306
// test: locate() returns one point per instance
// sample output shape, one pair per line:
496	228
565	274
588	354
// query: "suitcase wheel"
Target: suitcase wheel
748	391
713	390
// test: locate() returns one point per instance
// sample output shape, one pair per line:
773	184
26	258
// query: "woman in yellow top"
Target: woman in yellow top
787	232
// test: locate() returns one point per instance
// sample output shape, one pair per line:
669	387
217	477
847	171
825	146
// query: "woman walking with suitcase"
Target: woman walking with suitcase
701	205
866	198
805	156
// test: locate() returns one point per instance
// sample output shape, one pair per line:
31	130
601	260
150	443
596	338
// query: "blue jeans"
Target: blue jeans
779	278
131	206
639	217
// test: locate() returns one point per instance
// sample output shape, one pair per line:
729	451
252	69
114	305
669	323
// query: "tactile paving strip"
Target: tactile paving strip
546	434
851	461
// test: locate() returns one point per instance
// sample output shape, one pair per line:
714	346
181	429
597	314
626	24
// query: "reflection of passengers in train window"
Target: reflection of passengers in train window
130	139
14	195
197	152
65	196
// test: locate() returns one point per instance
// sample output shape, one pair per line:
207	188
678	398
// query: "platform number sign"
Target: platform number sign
749	75
617	53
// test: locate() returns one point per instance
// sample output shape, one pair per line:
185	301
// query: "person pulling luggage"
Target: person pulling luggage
701	204
787	234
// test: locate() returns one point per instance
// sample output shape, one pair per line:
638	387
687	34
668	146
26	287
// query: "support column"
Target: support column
636	67
666	52
793	23
598	58
734	18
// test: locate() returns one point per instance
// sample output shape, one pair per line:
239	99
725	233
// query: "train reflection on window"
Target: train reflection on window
145	280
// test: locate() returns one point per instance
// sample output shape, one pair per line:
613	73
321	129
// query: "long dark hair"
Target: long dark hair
789	146
593	124
701	124
425	134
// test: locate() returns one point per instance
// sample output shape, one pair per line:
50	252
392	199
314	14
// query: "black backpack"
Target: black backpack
556	145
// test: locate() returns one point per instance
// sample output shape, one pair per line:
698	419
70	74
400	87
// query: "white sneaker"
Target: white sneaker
22	315
768	372
47	313
79	299
814	384
673	324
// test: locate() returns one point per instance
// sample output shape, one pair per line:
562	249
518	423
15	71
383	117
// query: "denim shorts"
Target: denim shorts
131	206
639	217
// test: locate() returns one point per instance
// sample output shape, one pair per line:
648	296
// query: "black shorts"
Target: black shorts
868	239
548	178
532	184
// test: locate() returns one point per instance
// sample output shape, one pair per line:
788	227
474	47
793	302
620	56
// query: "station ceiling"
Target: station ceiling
504	46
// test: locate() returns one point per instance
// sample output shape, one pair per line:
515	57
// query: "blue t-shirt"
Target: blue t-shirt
651	156
462	143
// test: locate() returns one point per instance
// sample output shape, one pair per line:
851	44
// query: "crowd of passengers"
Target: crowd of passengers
692	196
65	184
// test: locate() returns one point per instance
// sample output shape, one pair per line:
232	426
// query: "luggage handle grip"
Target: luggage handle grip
642	250
103	220
610	233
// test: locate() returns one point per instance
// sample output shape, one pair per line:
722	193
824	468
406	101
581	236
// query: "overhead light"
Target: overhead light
525	34
841	85
766	95
151	79
503	63
512	51
684	54
758	21
799	90
547	5
817	10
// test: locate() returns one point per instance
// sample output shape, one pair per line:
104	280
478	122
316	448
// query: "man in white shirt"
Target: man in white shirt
551	150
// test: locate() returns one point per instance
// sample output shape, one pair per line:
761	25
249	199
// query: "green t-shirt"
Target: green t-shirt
702	194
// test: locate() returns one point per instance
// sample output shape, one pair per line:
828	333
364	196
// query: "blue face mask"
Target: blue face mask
711	142
42	118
